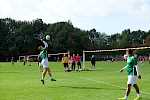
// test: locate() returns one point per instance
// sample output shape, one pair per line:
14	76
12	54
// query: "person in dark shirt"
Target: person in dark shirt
93	62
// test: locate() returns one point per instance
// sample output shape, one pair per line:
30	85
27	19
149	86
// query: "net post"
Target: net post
19	59
83	60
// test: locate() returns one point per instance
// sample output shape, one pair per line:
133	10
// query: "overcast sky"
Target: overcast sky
110	16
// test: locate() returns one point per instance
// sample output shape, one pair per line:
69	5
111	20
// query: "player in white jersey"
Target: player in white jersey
43	56
133	75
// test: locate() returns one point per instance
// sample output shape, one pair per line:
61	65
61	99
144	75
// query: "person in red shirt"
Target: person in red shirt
73	59
78	61
149	59
70	62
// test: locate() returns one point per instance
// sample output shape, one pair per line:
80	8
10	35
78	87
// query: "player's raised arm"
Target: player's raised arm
125	58
45	44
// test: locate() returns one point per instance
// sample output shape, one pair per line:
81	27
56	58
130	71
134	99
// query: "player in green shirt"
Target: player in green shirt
133	75
43	58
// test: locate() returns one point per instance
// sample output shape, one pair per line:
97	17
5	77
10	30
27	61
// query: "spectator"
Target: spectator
93	61
78	61
65	61
73	58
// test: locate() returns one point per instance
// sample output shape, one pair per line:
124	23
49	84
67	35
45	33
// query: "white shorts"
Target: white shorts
44	63
132	79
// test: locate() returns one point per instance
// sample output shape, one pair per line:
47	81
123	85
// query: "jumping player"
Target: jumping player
44	61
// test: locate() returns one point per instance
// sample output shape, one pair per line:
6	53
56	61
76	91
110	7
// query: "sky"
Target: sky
109	16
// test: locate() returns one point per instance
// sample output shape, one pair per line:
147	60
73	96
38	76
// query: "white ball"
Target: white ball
47	37
125	57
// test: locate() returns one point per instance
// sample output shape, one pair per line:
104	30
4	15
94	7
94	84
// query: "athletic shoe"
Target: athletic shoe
138	98
122	98
42	82
52	79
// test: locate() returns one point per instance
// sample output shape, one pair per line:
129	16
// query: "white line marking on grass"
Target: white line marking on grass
106	83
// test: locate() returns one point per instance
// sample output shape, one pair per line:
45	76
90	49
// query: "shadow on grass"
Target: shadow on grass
76	87
83	87
91	70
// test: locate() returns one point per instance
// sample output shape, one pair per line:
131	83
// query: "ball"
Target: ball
47	37
125	57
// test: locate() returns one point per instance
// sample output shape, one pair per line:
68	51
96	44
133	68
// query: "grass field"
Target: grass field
18	82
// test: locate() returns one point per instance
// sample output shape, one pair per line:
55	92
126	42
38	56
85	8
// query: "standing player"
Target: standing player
78	60
93	61
28	60
132	75
149	58
70	62
44	61
65	61
12	60
73	66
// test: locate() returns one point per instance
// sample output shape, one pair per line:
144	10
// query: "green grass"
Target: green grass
18	82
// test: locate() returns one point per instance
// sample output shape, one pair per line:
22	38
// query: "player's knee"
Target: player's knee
129	86
135	86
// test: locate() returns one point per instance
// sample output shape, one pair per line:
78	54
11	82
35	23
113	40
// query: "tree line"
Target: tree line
19	37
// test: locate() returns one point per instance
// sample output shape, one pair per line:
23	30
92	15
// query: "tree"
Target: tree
18	37
136	38
115	40
3	37
147	40
125	38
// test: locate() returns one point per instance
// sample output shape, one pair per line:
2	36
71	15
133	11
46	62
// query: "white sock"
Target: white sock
126	97
138	95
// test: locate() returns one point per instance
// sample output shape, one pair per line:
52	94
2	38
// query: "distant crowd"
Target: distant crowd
120	58
71	61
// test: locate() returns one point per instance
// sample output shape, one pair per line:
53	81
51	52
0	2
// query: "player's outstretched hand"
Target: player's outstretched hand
139	77
121	70
41	39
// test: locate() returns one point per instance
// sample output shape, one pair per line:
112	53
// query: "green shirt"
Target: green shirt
131	62
43	54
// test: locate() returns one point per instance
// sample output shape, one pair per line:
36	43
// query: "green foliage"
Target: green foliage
18	37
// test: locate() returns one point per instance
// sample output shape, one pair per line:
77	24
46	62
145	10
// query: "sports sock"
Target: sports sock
126	97
138	94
